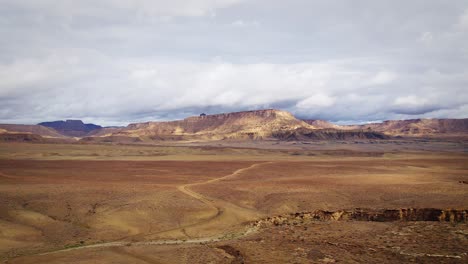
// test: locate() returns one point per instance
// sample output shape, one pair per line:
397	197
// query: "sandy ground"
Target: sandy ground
132	204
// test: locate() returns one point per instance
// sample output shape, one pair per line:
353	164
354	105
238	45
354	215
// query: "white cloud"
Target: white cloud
463	21
410	100
382	77
118	61
238	23
138	7
414	105
316	101
98	87
426	37
242	23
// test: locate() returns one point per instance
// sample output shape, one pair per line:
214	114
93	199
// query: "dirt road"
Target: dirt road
226	216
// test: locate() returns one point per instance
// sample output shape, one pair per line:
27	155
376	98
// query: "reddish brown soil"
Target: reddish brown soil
49	205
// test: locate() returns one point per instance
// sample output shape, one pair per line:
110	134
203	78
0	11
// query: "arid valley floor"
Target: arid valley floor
251	202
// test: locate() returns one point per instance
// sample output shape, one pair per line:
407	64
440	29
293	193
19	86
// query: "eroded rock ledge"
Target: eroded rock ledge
376	215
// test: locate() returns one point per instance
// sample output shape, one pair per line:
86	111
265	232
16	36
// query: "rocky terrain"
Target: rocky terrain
322	124
240	125
85	203
282	125
422	127
305	134
269	124
411	127
373	215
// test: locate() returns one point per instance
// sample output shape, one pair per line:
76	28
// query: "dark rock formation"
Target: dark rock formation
110	139
359	214
238	258
73	128
20	137
327	134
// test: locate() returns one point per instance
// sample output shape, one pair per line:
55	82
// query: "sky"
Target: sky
114	62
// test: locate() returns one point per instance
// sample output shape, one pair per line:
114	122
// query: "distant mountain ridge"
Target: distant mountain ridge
422	126
247	125
72	128
414	127
268	124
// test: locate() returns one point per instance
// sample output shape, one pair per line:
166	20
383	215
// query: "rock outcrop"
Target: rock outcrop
327	134
269	124
418	127
260	124
359	214
248	125
322	124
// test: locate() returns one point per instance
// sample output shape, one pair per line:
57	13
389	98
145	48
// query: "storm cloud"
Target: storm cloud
121	61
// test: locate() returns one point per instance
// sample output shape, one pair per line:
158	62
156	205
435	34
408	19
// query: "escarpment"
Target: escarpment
359	214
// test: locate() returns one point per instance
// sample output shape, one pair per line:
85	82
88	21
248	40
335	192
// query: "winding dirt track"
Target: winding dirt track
185	188
210	202
223	208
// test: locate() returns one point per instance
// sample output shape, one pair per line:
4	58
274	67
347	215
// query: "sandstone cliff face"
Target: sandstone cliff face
411	127
322	124
247	125
419	127
281	125
259	124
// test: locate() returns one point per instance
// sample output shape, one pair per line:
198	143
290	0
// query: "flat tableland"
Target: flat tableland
197	203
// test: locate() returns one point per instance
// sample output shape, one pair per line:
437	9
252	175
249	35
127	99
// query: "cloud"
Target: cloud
135	90
114	62
410	100
110	7
238	23
463	21
413	105
382	77
427	37
242	23
316	101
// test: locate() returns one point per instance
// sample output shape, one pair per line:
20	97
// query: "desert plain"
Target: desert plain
222	202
